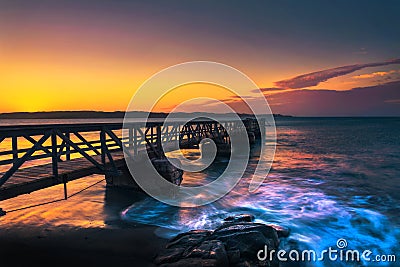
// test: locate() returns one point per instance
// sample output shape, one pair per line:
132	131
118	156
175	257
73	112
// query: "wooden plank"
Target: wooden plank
26	188
27	179
39	177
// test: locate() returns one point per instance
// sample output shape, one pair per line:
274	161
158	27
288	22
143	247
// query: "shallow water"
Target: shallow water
331	178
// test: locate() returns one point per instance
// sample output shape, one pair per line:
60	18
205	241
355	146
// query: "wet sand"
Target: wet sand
85	230
67	246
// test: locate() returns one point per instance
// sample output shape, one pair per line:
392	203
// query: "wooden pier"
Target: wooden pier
34	157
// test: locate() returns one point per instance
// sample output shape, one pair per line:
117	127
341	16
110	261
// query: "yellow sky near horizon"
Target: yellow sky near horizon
70	82
53	71
81	55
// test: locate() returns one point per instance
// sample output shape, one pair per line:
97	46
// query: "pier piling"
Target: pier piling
70	151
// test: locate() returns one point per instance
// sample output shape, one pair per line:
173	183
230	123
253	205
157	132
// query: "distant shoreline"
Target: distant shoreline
105	115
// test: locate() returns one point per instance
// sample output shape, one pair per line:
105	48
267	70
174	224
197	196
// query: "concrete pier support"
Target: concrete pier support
223	150
123	178
167	170
257	134
252	137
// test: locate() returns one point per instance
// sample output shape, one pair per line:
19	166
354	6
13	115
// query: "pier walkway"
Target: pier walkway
34	157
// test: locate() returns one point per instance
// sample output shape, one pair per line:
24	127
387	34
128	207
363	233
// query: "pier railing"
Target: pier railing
29	145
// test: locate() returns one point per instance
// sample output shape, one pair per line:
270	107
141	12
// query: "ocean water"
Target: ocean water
332	178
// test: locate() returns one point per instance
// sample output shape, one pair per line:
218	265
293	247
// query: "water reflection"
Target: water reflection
329	180
90	204
84	210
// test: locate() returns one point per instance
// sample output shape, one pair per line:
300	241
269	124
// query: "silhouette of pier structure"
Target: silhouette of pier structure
33	157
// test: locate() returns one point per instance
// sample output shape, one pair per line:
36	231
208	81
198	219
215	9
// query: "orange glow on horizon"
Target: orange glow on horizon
85	74
188	93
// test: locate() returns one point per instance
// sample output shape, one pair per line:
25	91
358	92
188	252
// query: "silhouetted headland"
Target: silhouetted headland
109	115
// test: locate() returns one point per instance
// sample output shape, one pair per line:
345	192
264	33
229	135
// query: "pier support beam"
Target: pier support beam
168	171
123	177
252	137
104	153
223	149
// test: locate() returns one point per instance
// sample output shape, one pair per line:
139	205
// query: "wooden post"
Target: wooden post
263	130
103	147
65	180
67	148
54	156
130	138
14	141
152	135
159	148
135	145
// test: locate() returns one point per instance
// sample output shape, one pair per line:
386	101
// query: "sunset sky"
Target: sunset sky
307	56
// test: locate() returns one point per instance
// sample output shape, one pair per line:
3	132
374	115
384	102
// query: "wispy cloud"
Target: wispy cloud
314	78
393	101
377	100
374	74
246	97
270	90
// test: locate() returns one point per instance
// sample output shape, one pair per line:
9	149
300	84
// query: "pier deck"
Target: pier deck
38	177
34	157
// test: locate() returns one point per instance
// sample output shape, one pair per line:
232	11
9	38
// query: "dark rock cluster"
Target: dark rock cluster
235	243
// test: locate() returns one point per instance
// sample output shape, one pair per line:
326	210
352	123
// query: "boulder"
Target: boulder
240	218
248	243
234	228
282	231
188	239
193	262
233	256
211	249
192	250
169	255
235	243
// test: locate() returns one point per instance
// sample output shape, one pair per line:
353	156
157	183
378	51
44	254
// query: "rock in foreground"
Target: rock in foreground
235	243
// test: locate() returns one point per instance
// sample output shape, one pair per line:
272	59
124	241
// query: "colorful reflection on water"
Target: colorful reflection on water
47	207
331	179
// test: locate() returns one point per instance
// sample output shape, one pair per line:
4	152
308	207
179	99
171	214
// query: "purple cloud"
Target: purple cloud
377	100
314	78
270	89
